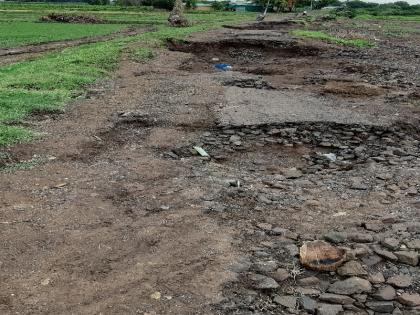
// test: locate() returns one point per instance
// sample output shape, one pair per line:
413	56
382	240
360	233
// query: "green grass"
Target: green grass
48	83
52	80
358	42
12	134
408	18
21	33
143	54
81	7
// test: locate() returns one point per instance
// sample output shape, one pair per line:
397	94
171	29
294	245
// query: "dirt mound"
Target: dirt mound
71	18
266	25
352	89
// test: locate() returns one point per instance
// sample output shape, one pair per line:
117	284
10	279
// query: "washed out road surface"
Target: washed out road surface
307	140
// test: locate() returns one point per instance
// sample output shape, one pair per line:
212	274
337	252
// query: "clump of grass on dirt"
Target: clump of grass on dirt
143	54
358	42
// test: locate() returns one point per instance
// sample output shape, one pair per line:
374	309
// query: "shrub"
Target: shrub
219	5
191	4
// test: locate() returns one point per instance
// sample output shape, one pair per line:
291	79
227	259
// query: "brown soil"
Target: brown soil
71	18
119	215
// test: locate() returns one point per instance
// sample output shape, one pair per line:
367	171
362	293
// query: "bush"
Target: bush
160	4
219	6
191	4
98	2
346	12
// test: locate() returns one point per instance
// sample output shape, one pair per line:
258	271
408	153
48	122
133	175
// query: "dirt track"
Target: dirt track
120	208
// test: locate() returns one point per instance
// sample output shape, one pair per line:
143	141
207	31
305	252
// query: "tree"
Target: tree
176	17
278	5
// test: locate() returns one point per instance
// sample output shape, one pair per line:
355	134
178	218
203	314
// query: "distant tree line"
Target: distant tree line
349	8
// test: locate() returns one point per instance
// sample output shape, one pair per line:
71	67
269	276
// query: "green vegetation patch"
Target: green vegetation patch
47	83
359	42
12	134
143	54
51	81
20	33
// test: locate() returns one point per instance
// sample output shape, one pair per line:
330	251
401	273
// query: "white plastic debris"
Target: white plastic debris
331	156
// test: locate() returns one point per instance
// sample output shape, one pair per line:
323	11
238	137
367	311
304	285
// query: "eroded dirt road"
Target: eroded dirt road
307	141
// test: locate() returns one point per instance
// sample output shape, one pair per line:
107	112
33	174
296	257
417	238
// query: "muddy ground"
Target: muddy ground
112	211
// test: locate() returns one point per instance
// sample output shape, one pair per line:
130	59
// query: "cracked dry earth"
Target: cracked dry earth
307	141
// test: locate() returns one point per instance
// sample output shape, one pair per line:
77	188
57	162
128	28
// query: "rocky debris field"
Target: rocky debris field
287	185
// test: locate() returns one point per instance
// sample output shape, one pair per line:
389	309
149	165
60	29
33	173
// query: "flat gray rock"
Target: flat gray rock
350	286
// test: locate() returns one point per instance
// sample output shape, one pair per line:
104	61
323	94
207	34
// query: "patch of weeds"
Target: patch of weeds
12	134
143	54
358	42
27	164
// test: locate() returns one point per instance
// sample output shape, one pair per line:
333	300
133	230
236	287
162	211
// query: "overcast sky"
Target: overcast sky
387	1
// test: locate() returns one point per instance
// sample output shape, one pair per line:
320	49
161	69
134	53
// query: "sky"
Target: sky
387	1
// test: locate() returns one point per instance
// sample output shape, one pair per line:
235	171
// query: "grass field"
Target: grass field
358	42
408	18
50	81
19	33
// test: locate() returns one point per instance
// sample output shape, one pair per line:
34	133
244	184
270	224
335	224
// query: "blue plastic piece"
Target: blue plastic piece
223	66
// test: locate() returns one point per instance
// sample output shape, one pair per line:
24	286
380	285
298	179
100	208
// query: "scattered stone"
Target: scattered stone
352	268
409	299
320	255
288	301
381	306
336	237
307	291
350	286
243	264
328	309
265	266
409	258
309	281
266	227
358	183
262	282
377	278
336	298
360	237
385	254
391	243
400	281
281	274
292	249
386	293
292	173
360	297
371	260
375	227
413	244
307	304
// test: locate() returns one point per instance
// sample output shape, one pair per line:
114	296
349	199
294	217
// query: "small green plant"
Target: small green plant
143	54
358	42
